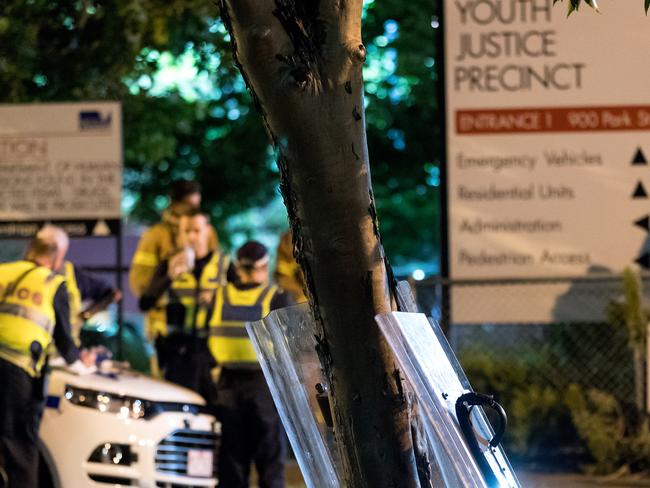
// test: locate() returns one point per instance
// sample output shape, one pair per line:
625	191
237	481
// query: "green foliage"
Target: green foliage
539	425
574	5
403	120
111	50
72	50
599	420
560	395
636	318
604	425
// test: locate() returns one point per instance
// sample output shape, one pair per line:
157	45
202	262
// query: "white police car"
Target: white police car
121	428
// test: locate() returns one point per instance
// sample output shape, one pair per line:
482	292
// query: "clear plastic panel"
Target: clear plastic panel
286	348
438	380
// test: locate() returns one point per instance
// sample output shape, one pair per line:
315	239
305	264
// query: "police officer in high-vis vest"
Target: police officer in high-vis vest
87	295
250	426
159	243
34	312
188	281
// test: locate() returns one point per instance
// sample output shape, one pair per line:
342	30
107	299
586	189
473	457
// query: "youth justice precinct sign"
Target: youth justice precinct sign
548	123
60	163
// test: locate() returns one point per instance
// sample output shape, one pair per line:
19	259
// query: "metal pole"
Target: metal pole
441	139
647	368
120	304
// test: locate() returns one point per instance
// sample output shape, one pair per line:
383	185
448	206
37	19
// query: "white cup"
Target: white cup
190	257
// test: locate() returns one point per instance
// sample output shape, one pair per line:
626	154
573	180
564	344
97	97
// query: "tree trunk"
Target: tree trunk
302	61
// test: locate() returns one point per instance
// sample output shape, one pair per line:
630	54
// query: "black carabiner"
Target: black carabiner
473	399
464	406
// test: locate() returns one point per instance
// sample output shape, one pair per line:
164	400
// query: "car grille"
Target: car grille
164	484
171	453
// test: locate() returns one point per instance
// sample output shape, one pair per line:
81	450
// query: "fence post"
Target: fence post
647	368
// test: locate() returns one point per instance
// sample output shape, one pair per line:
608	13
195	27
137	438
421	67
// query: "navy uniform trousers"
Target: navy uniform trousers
21	408
251	431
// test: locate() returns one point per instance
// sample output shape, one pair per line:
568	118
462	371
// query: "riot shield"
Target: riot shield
285	342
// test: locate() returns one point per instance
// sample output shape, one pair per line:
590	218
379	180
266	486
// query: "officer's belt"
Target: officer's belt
228	331
27	313
189	292
198	332
17	358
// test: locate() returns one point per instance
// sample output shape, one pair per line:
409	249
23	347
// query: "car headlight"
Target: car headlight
113	453
123	406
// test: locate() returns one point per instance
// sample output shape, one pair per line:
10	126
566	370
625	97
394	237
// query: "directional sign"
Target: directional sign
542	153
548	126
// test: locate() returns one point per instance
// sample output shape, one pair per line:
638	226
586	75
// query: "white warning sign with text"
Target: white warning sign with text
60	163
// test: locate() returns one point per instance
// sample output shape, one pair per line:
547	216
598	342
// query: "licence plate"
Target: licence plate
200	463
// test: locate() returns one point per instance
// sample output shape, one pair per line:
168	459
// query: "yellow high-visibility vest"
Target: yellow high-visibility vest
193	295
74	297
229	342
27	316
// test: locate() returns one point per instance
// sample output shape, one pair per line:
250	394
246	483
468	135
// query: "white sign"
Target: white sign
548	122
60	163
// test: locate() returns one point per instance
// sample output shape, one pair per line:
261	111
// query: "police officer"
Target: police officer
87	294
188	280
250	425
159	243
34	312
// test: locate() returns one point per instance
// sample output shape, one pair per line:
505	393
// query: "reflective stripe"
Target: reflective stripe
143	258
252	366
219	277
228	331
30	314
200	333
263	296
185	292
74	295
18	359
228	301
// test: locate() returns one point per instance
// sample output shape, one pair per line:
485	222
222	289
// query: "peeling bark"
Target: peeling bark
302	62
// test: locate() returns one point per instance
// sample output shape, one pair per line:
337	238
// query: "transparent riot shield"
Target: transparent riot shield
445	401
286	348
285	343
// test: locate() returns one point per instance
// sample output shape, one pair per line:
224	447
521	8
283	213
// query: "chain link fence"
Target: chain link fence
531	342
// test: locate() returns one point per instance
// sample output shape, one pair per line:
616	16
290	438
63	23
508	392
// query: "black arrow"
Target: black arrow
639	191
643	222
639	158
643	260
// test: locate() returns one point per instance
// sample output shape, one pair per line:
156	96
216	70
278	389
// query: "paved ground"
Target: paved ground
528	480
535	480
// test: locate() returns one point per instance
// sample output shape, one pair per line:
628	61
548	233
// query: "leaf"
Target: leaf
573	6
647	6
